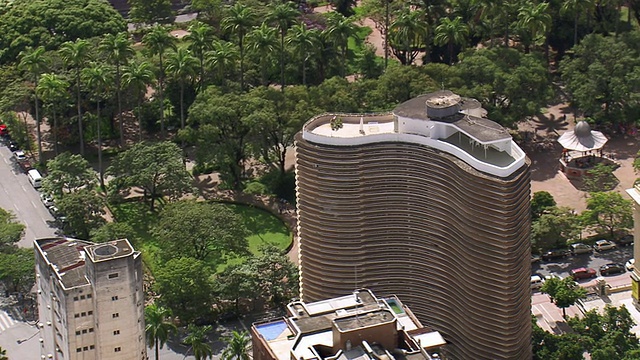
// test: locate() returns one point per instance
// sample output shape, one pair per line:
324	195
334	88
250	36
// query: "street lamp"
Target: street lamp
20	341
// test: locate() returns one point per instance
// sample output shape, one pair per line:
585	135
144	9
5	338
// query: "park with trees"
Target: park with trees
126	111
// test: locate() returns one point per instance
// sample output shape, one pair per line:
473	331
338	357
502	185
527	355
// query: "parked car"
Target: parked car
4	130
583	273
13	146
19	155
625	240
630	265
603	245
555	254
535	258
536	282
611	268
580	248
47	200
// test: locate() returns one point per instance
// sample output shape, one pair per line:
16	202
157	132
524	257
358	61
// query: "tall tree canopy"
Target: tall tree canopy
49	23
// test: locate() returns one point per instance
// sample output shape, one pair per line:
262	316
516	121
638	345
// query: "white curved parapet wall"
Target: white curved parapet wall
359	129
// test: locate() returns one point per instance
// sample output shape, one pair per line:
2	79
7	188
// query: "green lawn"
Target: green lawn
264	228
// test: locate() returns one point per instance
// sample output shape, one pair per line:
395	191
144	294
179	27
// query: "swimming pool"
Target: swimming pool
271	331
395	306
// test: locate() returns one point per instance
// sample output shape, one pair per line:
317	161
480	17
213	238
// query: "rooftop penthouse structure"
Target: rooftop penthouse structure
90	300
430	202
354	327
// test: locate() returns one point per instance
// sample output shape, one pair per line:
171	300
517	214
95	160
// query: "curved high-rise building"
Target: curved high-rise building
429	202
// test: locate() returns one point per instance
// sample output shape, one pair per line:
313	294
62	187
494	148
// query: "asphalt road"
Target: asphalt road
19	197
562	267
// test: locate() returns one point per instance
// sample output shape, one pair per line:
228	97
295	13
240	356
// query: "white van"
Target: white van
35	178
536	282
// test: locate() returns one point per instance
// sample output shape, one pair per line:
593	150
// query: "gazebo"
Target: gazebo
582	150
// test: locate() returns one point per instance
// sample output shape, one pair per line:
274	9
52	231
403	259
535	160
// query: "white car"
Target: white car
20	155
536	282
630	265
47	200
602	245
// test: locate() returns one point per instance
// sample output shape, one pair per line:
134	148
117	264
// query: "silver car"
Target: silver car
580	248
602	245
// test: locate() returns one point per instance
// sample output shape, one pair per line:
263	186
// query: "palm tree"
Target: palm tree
3	354
200	41
283	16
158	327
410	30
222	57
451	32
75	54
117	48
340	29
304	41
35	63
237	345
138	75
262	41
536	20
98	77
182	66
576	7
53	89
239	20
197	339
158	40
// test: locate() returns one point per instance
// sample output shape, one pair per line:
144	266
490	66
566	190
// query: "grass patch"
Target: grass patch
264	228
356	42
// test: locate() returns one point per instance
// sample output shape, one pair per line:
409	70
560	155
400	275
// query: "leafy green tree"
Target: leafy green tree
344	7
609	333
151	11
600	178
540	202
237	345
451	32
239	20
118	50
68	173
262	43
157	168
158	326
563	293
113	231
339	30
304	42
554	228
199	38
158	41
185	287
283	16
75	55
608	212
52	88
49	23
17	270
577	8
182	66
98	77
204	231
276	275
10	230
237	282
510	85
138	75
407	34
208	10
3	354
84	210
198	342
603	78
34	61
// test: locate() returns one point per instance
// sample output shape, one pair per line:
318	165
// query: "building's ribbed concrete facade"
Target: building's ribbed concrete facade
383	203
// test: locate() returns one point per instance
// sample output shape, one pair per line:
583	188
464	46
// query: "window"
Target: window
77	332
81	297
90	312
113	276
91	347
83	314
86	348
78	349
117	349
84	331
90	330
114	298
76	315
75	298
115	315
116	332
89	296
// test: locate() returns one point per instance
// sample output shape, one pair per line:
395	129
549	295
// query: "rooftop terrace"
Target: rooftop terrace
67	257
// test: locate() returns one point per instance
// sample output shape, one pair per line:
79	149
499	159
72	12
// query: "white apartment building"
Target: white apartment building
90	300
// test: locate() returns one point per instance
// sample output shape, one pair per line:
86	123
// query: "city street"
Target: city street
19	197
562	267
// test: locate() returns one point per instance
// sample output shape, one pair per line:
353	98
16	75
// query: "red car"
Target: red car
3	130
583	273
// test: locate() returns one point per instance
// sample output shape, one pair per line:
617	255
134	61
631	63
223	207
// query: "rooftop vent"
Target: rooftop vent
443	104
106	250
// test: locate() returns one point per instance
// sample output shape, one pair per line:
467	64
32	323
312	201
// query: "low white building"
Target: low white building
90	300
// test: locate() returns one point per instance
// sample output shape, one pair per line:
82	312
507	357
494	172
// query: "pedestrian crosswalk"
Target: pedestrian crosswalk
6	321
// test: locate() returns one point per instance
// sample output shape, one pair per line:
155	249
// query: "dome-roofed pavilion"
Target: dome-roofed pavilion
582	149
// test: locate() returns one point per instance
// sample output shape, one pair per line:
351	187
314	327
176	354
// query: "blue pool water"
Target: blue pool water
272	330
